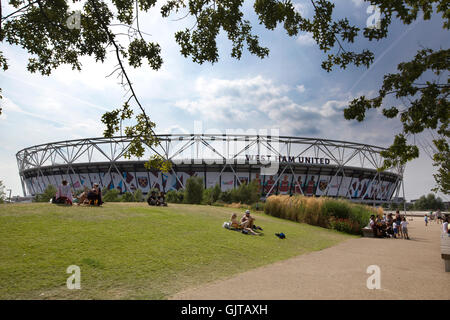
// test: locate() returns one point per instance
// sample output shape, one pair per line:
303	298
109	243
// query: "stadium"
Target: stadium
279	164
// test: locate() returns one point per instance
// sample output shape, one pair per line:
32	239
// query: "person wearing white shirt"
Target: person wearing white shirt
404	224
395	226
64	193
445	227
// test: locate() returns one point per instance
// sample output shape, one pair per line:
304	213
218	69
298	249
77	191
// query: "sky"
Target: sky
288	90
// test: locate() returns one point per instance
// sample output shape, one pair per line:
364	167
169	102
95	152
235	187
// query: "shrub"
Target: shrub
207	196
215	193
171	196
225	196
111	195
337	214
219	203
235	196
174	196
258	206
127	197
48	194
180	195
246	193
345	225
194	190
138	195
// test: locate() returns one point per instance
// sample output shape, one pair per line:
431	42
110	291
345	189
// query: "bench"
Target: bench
367	232
445	251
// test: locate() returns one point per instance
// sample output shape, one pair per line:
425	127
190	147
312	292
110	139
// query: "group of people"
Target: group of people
246	224
88	196
157	200
389	226
397	227
94	196
438	216
91	196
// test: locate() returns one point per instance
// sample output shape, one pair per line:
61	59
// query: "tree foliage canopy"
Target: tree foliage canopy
428	202
40	27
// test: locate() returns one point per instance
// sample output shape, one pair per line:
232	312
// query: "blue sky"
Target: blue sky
287	90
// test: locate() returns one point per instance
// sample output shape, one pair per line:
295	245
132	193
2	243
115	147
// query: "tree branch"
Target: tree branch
117	52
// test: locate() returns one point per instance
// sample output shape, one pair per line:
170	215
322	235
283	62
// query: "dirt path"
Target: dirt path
409	270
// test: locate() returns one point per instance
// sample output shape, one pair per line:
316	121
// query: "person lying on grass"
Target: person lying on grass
83	197
235	224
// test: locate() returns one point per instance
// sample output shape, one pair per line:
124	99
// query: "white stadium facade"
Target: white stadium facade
280	164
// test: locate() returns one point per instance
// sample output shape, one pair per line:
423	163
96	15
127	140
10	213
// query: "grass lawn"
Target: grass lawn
133	251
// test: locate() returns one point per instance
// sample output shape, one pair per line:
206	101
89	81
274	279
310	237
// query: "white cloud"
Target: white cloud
306	39
9	106
302	8
175	129
259	102
222	100
358	3
300	88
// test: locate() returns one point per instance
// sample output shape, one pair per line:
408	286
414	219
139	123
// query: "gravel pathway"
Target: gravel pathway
410	269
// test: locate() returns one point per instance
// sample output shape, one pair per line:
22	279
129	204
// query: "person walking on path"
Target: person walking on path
439	216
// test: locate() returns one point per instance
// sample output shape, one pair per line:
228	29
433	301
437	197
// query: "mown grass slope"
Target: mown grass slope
133	251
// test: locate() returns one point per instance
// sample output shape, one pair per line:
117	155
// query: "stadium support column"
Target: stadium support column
21	174
404	199
23	185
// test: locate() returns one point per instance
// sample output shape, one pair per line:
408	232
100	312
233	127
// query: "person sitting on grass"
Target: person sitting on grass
152	200
64	194
95	195
373	225
161	199
236	225
82	198
247	220
389	229
381	228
